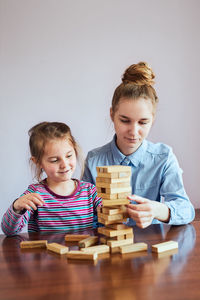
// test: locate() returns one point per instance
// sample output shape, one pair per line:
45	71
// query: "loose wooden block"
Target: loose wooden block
114	190
81	255
112	180
112	185
165	246
106	196
75	237
55	247
113	211
110	218
119	243
108	175
34	244
119	226
97	249
136	247
114	168
123	195
91	240
108	223
106	202
112	232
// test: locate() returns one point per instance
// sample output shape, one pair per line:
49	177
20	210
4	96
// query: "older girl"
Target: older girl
156	174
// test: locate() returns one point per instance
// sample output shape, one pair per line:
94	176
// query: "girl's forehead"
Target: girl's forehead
134	106
58	144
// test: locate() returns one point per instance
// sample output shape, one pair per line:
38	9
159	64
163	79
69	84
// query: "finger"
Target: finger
31	205
138	199
36	200
138	214
38	196
139	207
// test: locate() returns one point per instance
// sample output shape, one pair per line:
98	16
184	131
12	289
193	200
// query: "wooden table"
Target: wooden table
39	274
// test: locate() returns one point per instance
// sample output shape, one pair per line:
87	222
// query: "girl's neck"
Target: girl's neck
64	188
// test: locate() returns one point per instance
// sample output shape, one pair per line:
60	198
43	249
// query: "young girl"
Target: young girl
58	202
155	170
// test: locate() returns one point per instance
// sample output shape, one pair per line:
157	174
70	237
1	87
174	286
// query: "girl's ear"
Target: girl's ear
33	159
111	114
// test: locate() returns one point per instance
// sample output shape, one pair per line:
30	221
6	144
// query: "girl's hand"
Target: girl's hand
146	210
28	202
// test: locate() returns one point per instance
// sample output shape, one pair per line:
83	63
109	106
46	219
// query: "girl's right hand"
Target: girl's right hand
28	202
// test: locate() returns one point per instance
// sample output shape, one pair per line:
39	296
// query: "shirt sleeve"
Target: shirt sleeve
12	223
87	175
173	192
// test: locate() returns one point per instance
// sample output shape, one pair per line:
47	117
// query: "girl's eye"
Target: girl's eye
124	121
143	123
70	155
53	161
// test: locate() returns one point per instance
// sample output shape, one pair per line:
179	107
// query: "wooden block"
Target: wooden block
119	243
112	180
136	247
55	247
106	196
75	237
91	240
165	246
119	226
110	218
34	244
108	175
115	250
97	249
108	223
106	202
129	235
124	174
81	255
103	240
114	168
113	232
113	211
123	195
114	190
112	185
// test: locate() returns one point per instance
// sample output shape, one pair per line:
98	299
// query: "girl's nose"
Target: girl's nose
63	164
133	129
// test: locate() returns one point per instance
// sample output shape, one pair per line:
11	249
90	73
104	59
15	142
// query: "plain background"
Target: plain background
61	61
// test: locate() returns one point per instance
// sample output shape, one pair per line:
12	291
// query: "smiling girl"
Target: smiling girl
57	202
158	193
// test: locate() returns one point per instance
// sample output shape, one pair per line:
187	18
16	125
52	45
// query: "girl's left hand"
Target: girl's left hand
144	212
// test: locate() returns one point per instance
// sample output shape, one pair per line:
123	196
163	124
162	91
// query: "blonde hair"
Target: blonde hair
43	132
137	82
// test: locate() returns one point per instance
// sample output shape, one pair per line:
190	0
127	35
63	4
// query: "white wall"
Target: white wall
61	60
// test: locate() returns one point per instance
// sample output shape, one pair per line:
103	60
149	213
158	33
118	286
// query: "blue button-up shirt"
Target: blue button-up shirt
156	175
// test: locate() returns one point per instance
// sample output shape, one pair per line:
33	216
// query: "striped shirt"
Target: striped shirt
59	213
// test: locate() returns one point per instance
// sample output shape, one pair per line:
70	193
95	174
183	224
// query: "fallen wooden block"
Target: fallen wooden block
57	248
34	244
136	247
75	237
89	241
165	246
82	255
97	249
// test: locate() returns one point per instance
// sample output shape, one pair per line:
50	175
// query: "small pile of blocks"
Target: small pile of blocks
113	186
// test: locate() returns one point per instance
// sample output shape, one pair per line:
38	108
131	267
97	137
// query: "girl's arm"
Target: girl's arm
18	214
176	208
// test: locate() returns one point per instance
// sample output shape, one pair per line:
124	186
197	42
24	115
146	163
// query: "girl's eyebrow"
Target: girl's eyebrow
125	117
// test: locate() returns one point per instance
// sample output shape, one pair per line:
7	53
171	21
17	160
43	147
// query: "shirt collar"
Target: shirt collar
134	158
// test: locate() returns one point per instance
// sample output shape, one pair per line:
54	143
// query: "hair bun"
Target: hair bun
139	74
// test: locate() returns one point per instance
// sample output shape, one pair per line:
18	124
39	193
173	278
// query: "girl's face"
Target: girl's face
59	160
132	121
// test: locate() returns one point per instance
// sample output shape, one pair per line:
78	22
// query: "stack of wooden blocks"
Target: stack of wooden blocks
113	186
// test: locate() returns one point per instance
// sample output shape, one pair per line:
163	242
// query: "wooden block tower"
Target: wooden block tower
113	186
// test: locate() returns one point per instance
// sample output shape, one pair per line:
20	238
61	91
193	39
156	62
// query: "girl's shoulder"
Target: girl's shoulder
158	148
86	185
36	187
